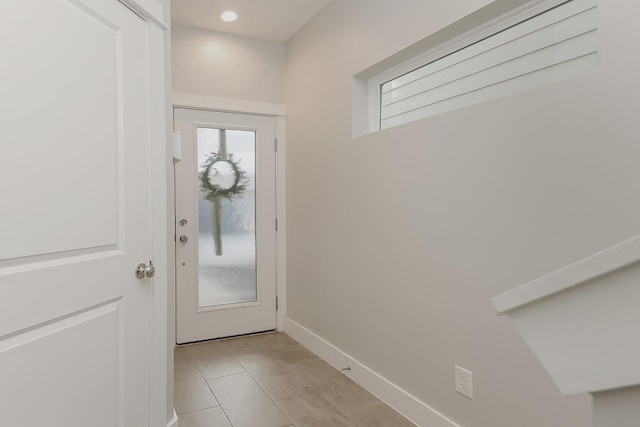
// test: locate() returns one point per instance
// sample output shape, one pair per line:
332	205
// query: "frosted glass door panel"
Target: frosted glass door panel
226	216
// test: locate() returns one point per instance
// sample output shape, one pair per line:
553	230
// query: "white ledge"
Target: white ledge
148	9
591	267
204	102
582	321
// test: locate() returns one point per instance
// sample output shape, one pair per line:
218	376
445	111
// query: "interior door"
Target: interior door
226	234
74	181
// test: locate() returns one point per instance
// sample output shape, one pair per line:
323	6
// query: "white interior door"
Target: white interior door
225	213
74	181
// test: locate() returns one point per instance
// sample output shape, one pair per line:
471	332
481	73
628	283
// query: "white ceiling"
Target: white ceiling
274	20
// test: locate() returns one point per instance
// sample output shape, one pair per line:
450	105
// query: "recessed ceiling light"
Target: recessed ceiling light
228	16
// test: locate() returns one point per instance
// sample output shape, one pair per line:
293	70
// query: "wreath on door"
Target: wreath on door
221	178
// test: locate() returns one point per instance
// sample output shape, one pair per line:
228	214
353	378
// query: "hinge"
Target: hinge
276	303
276	224
276	144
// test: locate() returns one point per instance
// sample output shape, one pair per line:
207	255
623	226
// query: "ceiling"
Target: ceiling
273	20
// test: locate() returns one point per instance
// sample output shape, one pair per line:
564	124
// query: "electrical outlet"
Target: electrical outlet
464	382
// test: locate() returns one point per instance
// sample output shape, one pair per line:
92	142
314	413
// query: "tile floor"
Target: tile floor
270	381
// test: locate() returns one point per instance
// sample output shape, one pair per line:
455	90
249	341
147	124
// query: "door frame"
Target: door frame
162	321
278	112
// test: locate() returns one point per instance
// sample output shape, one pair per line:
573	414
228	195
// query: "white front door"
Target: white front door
74	215
226	236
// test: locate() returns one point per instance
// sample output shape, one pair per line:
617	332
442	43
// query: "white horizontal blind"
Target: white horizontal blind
556	45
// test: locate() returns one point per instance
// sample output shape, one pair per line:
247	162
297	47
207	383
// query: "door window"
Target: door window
227	213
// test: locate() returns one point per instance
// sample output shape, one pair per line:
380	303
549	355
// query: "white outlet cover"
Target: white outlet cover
464	381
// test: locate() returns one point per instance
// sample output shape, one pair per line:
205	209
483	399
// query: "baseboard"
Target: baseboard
413	409
174	420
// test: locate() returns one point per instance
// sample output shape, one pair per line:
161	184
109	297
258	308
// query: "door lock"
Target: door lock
150	271
184	238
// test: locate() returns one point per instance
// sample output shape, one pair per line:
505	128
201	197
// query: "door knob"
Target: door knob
142	270
184	238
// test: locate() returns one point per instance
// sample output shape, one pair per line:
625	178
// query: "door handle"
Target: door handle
143	270
184	238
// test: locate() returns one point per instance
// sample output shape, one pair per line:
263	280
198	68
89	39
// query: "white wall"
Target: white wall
397	240
617	408
227	66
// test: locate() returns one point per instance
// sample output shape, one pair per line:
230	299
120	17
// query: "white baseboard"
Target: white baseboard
413	409
174	420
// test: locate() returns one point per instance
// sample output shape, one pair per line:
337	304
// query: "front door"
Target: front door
74	215
225	231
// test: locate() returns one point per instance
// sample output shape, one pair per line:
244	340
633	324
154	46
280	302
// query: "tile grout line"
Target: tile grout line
220	404
197	410
288	365
334	406
195	365
264	391
209	387
225	376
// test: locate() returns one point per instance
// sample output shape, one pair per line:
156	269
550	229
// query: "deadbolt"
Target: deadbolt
182	222
150	271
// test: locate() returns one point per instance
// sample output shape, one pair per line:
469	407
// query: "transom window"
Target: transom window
548	46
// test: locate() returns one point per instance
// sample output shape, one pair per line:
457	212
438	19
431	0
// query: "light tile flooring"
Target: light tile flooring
270	381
